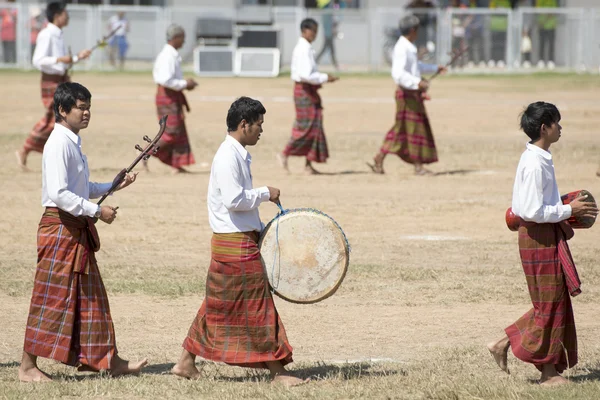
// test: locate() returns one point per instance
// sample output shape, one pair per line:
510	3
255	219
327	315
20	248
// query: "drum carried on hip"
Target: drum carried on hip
513	222
305	254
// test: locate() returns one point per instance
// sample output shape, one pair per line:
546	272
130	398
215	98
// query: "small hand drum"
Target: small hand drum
513	222
305	254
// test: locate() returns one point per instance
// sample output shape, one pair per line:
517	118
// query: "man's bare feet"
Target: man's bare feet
288	381
180	170
499	351
283	161
119	367
186	370
554	381
33	375
310	170
22	160
422	171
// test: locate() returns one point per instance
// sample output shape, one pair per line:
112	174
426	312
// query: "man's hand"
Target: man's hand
83	54
128	180
332	78
581	208
191	84
108	214
423	85
442	69
273	194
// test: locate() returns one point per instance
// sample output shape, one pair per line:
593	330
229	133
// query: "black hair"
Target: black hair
538	114
53	9
244	108
309	23
66	97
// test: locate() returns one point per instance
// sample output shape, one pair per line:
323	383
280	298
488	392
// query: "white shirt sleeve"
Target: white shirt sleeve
55	166
42	49
531	200
234	196
305	64
98	189
164	73
400	75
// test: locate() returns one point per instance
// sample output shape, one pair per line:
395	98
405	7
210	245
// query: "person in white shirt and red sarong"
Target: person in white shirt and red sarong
51	58
69	317
237	323
175	149
545	336
411	137
308	135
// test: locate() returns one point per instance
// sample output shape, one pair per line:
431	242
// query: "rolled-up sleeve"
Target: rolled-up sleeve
531	200
235	197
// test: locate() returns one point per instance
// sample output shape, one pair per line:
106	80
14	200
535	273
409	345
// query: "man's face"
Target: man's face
253	131
310	34
62	19
178	41
79	116
553	132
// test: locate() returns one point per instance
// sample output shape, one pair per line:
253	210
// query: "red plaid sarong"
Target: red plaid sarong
238	323
43	128
411	137
546	334
174	145
69	316
308	137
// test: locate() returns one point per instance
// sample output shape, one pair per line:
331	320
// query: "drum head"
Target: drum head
305	254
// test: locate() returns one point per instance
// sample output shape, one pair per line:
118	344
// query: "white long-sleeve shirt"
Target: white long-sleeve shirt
304	66
167	69
49	46
535	193
406	67
232	202
65	175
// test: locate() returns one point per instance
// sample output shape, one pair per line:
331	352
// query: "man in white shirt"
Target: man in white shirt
411	137
545	336
51	58
237	323
175	149
118	43
308	135
69	316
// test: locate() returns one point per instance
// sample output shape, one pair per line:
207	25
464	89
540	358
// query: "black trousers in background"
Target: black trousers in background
9	52
547	41
328	45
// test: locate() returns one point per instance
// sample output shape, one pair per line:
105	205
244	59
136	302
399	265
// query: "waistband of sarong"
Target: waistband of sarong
178	96
54	78
408	92
563	232
56	216
312	91
235	247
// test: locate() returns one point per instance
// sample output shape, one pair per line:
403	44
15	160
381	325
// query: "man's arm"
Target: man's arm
98	189
235	197
305	69
165	74
531	201
399	74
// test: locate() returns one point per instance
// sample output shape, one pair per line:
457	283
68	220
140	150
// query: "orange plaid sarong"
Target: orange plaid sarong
69	316
238	323
43	128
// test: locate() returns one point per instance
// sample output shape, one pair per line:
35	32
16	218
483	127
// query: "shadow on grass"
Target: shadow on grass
456	172
583	375
10	364
347	172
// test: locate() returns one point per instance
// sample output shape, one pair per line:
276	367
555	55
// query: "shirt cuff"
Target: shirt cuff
323	78
263	194
567	211
89	208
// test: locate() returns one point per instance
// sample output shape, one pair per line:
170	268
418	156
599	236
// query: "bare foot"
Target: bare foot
499	351
289	381
180	170
423	171
376	167
22	160
33	375
311	171
554	381
186	370
283	161
123	367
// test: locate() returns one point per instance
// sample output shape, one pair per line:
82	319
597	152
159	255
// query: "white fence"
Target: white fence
495	37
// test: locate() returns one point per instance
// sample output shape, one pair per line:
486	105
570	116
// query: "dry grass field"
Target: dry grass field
434	272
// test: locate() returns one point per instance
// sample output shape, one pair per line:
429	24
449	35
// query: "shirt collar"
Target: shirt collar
304	42
171	49
53	28
408	43
240	149
68	133
539	151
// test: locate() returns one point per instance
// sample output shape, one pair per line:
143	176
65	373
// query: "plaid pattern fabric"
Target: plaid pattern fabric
238	323
43	128
545	334
69	316
308	137
411	137
174	145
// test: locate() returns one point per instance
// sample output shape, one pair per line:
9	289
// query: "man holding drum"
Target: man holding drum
545	336
237	323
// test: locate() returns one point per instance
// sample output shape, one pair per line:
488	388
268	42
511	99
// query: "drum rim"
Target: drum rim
347	249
